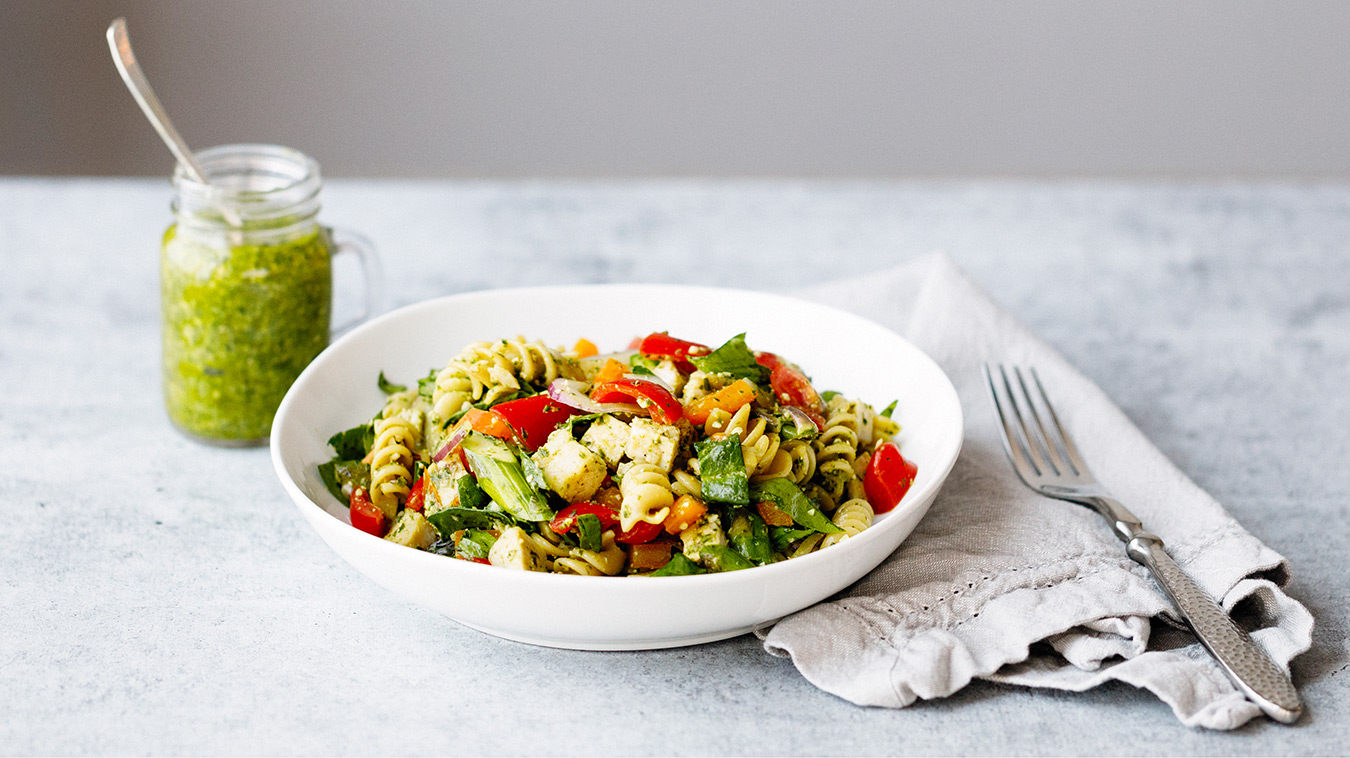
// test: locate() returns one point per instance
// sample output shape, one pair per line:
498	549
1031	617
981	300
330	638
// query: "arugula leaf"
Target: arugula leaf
679	565
470	494
721	467
791	500
889	409
353	444
475	544
451	520
588	531
388	387
733	358
783	537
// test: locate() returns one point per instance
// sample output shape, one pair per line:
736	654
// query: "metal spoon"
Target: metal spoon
125	60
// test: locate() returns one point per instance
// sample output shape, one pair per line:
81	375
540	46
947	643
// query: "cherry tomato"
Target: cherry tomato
533	418
567	517
888	477
417	495
662	345
640	533
364	515
791	387
653	398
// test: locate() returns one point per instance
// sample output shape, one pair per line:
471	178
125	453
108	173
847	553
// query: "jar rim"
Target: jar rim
261	183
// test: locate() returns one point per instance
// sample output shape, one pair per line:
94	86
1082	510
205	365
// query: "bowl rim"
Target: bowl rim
913	499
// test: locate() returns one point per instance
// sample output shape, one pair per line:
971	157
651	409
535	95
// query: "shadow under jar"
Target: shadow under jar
246	285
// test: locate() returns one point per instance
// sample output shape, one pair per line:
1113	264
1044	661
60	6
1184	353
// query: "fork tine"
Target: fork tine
1042	465
1057	462
1064	437
1012	444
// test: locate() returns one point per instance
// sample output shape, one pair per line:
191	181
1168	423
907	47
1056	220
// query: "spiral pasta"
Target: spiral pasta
646	495
853	516
685	482
488	371
391	458
836	448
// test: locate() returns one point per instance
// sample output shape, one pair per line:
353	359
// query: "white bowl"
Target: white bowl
838	350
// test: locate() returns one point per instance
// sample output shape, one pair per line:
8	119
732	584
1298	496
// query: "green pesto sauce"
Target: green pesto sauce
240	324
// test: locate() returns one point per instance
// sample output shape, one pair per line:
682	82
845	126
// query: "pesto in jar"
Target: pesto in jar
241	321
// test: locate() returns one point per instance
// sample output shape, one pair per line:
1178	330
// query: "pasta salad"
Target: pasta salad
670	458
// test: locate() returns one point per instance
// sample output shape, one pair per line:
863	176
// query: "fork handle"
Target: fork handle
1245	663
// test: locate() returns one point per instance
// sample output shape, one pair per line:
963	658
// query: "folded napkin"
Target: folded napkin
999	583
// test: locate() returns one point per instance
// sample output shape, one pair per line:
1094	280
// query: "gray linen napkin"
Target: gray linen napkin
1001	584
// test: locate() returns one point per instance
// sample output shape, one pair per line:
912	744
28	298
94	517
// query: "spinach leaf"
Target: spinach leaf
475	544
426	386
533	474
679	565
353	444
724	558
337	473
721	467
388	387
470	494
750	536
889	409
783	537
733	358
451	520
588	531
791	500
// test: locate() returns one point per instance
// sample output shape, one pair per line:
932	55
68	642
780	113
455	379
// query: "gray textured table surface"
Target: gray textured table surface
161	597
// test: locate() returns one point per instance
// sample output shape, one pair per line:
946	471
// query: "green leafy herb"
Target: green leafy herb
889	409
828	395
723	558
426	386
470	494
733	358
641	364
388	387
533	474
783	537
750	536
588	531
353	444
475	544
791	500
577	425
722	474
338	473
451	520
679	565
501	476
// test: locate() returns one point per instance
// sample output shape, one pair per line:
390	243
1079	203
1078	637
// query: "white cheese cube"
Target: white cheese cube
607	436
653	443
570	468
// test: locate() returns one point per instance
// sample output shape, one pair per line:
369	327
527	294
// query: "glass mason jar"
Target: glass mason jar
246	283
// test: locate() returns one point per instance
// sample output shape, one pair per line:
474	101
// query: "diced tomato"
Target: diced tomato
365	516
640	533
662	345
417	495
612	371
730	399
791	387
585	348
655	399
888	477
533	418
566	518
649	555
683	514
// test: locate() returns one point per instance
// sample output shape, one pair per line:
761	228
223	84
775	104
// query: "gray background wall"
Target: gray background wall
597	88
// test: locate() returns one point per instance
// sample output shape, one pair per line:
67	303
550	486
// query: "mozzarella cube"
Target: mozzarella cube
570	468
607	436
653	443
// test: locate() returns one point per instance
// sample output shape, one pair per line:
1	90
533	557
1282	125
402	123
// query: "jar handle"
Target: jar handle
347	241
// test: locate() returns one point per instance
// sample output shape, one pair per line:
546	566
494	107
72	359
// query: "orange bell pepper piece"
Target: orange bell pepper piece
730	399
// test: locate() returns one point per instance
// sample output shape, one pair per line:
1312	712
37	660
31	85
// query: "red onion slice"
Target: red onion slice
572	393
451	443
800	418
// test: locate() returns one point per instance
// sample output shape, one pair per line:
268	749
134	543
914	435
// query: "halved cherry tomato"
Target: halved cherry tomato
533	418
613	370
364	515
567	517
640	533
654	398
684	513
791	387
730	399
417	495
888	477
767	360
662	345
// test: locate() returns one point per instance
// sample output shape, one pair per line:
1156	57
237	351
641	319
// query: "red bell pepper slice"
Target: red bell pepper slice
417	495
534	418
889	476
365	516
654	398
662	345
567	517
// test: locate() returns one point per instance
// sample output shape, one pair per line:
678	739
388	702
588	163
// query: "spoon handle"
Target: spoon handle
120	44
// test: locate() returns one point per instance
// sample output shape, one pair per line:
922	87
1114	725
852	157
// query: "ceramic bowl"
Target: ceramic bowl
838	350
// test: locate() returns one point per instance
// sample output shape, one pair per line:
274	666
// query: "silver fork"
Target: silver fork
1045	457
